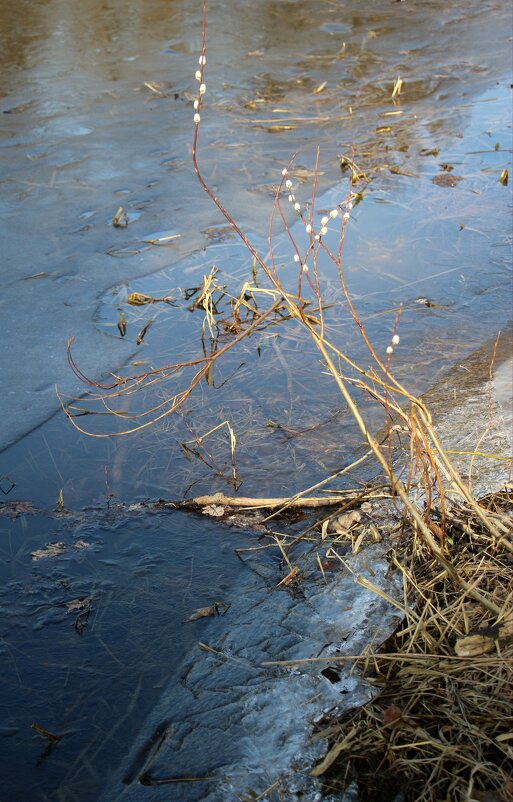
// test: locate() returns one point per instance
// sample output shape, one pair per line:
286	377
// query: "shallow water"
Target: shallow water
96	115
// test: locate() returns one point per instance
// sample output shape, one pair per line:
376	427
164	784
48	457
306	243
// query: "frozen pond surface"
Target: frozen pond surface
97	115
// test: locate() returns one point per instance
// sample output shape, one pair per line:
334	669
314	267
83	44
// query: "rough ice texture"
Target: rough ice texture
247	726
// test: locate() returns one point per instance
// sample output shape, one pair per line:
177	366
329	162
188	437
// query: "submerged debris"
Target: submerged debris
446	179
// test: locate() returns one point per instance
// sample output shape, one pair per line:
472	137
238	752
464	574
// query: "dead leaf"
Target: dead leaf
320	88
340	524
11	509
142	333
331	565
218	608
474	645
277	129
399	171
214	510
392	715
447	179
504	177
78	604
50	550
139	299
81	544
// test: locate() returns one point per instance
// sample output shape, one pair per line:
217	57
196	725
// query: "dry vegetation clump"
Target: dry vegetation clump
441	727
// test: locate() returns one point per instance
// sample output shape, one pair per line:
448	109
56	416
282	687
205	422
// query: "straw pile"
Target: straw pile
441	727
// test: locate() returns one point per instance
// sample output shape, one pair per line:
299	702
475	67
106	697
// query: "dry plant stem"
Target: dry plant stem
399	487
179	399
255	503
413	657
462	487
293	500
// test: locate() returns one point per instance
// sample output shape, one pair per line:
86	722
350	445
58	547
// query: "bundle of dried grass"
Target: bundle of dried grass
441	727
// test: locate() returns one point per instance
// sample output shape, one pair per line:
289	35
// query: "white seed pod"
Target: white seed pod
346	215
308	228
297	207
334	213
395	339
202	89
390	350
198	75
323	231
324	220
197	118
288	183
284	171
349	206
296	257
202	60
305	268
196	105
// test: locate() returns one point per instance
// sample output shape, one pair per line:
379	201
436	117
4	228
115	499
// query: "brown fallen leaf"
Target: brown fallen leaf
218	608
342	523
50	550
504	177
392	715
474	645
447	179
399	171
331	565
